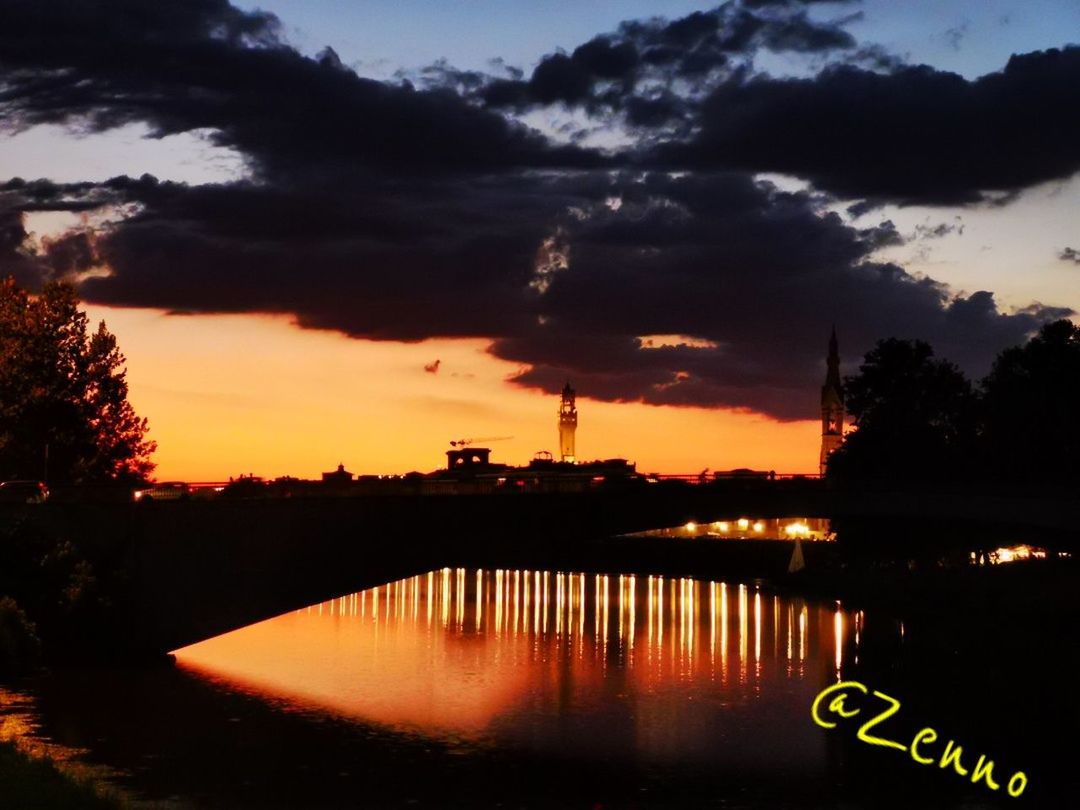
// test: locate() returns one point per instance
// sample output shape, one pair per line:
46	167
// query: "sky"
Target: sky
327	231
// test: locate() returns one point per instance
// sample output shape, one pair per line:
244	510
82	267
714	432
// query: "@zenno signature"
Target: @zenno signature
832	702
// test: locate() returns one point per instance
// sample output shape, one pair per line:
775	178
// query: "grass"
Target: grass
37	784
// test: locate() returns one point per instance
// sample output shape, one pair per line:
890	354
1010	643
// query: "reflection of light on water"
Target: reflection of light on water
802	634
606	601
723	632
757	626
498	643
479	599
838	639
446	594
790	627
743	633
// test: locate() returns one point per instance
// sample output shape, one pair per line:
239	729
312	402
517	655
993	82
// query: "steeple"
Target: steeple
832	376
832	405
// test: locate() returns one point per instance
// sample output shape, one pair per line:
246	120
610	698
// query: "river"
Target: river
491	688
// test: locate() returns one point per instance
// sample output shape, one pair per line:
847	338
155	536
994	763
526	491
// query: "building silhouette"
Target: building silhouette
567	424
832	405
470	459
338	476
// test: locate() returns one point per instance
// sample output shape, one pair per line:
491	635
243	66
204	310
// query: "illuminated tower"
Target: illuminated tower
567	424
832	405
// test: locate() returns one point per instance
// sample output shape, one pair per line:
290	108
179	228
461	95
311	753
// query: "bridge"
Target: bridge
199	568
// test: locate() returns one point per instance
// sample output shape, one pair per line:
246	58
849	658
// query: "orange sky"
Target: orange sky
231	394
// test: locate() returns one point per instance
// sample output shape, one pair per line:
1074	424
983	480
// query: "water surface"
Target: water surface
487	688
640	668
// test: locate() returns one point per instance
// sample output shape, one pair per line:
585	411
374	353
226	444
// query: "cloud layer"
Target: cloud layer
392	212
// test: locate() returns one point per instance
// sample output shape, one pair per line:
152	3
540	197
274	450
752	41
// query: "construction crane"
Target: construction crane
464	442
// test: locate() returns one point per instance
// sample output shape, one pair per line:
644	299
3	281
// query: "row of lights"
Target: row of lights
793	530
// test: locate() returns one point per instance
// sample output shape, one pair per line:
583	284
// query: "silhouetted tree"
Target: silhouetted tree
63	393
916	418
1031	405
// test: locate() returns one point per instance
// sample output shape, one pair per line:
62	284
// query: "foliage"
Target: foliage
70	595
20	648
1032	408
63	393
916	417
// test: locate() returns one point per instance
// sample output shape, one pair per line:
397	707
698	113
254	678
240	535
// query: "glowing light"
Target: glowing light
723	525
744	524
1018	553
797	529
759	527
691	526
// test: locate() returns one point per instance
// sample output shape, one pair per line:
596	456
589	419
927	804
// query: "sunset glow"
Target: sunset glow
231	394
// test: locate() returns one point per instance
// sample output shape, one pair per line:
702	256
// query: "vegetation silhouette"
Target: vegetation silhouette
64	412
920	422
1031	409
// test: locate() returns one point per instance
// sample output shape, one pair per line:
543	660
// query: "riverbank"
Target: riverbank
29	783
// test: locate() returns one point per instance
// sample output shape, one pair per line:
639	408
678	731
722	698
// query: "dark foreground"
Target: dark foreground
29	783
987	657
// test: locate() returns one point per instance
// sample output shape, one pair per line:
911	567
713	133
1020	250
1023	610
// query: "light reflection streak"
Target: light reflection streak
431	595
517	598
723	633
775	627
757	634
522	604
547	587
596	611
606	601
838	639
416	598
802	636
445	597
498	601
479	598
460	602
622	607
660	612
744	633
581	608
790	633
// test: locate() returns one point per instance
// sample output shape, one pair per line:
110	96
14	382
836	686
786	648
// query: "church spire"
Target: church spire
832	405
832	376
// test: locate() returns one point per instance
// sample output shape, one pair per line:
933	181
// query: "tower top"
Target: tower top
568	392
832	377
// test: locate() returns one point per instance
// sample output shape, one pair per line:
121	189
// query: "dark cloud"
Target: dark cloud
179	66
14	260
631	70
393	213
753	275
774	3
940	229
1070	255
956	34
912	135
